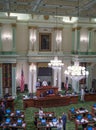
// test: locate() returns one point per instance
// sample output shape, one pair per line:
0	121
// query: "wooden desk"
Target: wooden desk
13	115
47	115
90	97
9	103
54	101
51	101
48	126
44	89
85	122
72	116
12	125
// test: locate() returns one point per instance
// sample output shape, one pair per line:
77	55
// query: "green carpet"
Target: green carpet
29	112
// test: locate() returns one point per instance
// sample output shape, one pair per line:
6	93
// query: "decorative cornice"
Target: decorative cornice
58	28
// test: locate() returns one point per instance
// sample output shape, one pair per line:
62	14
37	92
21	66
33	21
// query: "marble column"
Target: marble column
75	85
73	39
14	37
59	79
14	79
89	77
55	77
0	38
90	34
34	80
30	80
77	37
1	91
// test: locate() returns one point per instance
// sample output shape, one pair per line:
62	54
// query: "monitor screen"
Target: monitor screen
89	116
89	128
79	117
8	120
19	122
94	105
18	112
72	109
51	91
43	121
54	120
8	111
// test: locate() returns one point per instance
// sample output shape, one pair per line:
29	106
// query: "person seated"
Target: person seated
86	90
41	113
44	83
38	83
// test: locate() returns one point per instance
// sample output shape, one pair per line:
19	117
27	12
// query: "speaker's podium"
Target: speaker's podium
44	91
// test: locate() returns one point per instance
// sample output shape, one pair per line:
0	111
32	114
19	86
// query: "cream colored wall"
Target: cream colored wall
22	38
67	40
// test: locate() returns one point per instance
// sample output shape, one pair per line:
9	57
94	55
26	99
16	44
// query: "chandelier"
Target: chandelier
56	63
76	72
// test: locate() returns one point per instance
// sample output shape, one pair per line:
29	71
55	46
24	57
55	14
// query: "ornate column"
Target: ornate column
30	80
59	79
90	34
14	79
0	38
89	80
77	37
55	77
75	85
14	37
34	80
1	92
73	39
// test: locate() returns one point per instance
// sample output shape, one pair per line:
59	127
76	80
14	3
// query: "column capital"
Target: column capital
1	24
29	63
89	28
13	24
13	64
78	28
32	27
73	29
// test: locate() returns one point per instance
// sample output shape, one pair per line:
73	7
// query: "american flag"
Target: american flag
22	81
66	84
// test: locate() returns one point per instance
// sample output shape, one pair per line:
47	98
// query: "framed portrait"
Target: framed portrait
45	42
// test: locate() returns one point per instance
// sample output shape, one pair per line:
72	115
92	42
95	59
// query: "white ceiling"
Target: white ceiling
82	8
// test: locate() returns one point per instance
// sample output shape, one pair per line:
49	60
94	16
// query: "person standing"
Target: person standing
64	119
82	94
60	124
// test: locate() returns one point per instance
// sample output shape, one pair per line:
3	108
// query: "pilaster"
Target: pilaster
90	34
14	37
0	38
73	39
14	79
78	39
1	92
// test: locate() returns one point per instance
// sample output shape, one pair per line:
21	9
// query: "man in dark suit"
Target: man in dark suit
64	119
